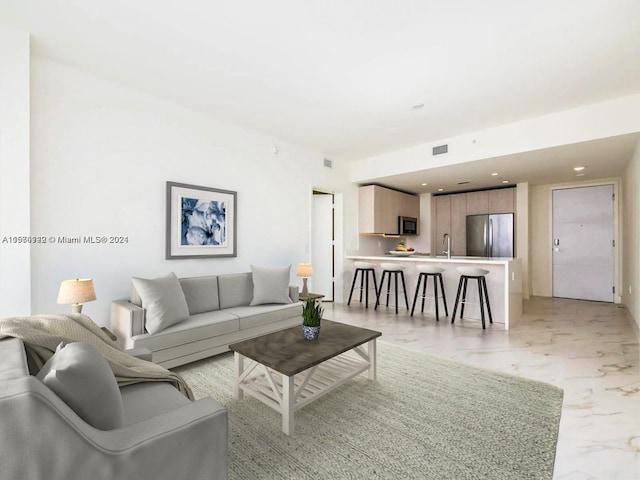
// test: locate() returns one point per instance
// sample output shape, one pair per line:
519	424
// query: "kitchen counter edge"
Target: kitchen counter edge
415	258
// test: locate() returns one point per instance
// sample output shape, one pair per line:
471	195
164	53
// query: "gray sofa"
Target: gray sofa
219	313
163	436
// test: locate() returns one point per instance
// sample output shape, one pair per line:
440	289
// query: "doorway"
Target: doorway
323	245
584	243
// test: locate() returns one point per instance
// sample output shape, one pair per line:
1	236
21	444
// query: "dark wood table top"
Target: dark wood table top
288	352
314	296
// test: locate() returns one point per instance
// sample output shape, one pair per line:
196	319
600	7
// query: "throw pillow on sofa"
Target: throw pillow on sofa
83	379
163	300
270	285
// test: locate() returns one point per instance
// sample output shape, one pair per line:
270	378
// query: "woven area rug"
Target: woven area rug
425	418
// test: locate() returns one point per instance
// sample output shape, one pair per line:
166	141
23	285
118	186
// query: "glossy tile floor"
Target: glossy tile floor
588	349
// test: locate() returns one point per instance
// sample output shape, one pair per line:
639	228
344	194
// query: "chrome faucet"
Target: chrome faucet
446	238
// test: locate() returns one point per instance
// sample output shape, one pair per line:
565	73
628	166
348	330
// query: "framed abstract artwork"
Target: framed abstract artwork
201	222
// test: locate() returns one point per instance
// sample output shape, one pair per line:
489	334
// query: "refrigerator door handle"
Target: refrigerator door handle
490	242
484	235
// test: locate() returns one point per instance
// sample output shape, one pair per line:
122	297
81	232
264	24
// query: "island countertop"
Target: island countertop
437	258
504	282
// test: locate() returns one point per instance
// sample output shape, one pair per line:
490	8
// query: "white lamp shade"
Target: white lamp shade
75	291
305	270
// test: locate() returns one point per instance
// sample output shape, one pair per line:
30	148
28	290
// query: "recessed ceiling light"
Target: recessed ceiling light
424	184
505	181
579	168
494	174
441	189
418	106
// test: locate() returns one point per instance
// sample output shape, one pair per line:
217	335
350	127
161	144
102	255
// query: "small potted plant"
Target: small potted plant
311	316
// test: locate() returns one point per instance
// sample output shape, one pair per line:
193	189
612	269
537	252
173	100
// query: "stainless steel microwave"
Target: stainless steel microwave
407	225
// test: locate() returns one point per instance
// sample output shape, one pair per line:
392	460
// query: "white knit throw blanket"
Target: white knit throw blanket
41	335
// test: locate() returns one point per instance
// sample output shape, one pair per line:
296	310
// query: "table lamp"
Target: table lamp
76	292
305	270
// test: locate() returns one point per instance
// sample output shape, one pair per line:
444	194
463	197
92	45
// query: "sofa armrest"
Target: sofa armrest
127	320
140	352
294	293
187	442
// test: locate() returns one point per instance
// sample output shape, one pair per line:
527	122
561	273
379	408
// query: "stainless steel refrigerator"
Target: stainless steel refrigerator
490	235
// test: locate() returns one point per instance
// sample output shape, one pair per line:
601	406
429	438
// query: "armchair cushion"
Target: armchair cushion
164	301
270	285
83	379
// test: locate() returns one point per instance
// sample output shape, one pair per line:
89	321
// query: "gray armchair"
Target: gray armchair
164	435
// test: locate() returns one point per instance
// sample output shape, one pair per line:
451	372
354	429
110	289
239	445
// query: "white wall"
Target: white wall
15	270
101	154
631	237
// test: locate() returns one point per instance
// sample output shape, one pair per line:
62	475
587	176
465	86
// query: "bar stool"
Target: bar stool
478	274
389	269
364	269
435	273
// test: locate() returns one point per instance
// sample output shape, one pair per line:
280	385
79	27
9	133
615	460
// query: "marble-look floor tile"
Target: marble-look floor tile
588	349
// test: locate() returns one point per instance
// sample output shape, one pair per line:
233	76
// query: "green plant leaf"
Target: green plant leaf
311	313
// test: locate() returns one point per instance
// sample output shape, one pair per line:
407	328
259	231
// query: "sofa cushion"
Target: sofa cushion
83	379
270	285
235	289
201	294
251	317
197	327
163	300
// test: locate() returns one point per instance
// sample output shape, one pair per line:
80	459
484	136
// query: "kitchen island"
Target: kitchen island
504	283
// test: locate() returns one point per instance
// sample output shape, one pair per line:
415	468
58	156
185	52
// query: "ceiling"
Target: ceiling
342	77
602	159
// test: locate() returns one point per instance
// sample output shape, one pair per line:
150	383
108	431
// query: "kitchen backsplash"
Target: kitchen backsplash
377	245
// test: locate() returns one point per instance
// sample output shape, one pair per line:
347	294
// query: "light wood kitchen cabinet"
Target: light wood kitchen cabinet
477	202
502	200
458	224
450	215
443	223
380	207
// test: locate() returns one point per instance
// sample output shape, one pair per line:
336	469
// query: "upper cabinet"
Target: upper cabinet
502	200
477	202
380	207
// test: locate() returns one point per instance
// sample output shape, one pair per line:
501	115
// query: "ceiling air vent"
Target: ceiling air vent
440	149
327	163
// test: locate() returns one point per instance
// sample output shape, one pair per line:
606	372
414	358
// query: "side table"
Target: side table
311	296
314	296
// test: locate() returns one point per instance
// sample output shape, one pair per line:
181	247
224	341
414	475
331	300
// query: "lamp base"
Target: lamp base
76	308
305	290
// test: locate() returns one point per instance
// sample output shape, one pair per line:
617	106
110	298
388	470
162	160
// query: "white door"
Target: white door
583	243
322	246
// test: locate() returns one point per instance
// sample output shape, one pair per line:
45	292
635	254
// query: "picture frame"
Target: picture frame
201	222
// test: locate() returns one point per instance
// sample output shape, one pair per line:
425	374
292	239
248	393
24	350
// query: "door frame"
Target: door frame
617	234
335	234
